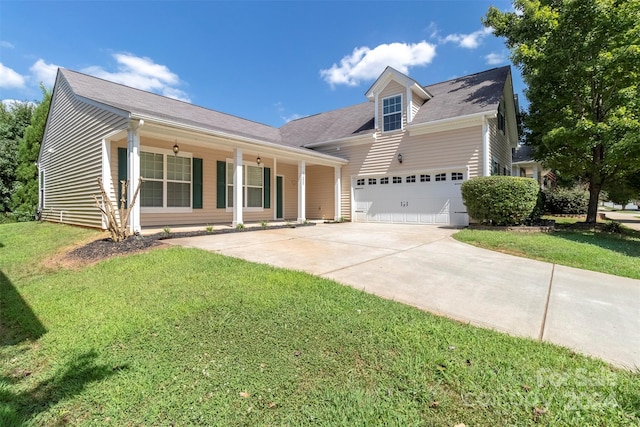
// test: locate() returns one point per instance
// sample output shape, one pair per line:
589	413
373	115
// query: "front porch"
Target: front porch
192	180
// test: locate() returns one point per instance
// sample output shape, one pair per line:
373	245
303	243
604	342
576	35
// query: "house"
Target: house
398	157
523	164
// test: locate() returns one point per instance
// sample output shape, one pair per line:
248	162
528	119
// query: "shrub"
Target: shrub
500	200
566	201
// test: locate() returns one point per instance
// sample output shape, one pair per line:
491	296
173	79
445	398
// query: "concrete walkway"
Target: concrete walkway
592	313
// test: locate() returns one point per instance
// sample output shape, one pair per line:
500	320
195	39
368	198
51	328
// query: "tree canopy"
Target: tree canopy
14	119
581	62
24	199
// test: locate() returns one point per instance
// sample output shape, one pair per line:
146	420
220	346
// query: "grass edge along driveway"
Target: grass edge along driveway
189	337
599	251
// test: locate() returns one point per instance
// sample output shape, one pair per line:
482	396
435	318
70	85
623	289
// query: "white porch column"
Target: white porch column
274	188
106	173
337	189
536	175
302	191
133	150
237	187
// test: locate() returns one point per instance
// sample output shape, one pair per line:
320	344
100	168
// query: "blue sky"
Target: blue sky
265	61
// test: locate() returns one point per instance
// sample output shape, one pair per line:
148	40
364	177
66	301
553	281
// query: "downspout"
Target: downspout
486	153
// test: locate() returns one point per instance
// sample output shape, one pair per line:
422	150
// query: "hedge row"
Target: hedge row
566	201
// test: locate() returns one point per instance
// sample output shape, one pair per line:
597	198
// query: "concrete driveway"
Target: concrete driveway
592	313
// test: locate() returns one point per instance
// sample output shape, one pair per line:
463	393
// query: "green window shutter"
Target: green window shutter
122	172
196	185
267	188
221	184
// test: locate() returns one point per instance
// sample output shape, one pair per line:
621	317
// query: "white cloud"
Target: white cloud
495	58
5	44
43	72
10	79
366	64
468	41
142	73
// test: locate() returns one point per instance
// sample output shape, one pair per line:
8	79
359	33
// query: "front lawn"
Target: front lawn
604	252
185	337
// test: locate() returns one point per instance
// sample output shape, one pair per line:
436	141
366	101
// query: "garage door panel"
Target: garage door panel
434	202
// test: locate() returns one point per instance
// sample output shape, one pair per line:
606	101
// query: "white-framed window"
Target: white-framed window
410	178
166	180
501	120
496	167
373	181
392	113
384	180
456	176
252	186
360	181
397	180
441	177
425	178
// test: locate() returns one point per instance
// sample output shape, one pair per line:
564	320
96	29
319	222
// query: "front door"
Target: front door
279	201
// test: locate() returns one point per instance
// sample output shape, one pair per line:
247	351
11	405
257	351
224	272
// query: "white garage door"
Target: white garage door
429	198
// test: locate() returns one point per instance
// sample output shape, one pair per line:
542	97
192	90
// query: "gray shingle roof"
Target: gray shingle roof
463	96
146	103
344	122
523	153
475	93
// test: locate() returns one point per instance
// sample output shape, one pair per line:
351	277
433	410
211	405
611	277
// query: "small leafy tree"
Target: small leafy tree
500	200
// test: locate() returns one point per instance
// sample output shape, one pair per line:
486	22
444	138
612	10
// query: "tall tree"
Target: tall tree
14	119
25	197
581	62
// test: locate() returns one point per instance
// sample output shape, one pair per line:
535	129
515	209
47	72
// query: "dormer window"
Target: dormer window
392	113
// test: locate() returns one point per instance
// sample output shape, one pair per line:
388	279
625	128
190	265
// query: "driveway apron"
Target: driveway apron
593	313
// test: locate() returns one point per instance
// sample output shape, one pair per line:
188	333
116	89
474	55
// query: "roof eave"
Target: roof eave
243	140
450	122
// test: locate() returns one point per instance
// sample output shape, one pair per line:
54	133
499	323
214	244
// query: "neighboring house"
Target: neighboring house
523	164
399	157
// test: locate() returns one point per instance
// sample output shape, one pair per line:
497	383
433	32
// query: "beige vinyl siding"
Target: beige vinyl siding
290	182
439	151
499	147
71	157
320	201
416	103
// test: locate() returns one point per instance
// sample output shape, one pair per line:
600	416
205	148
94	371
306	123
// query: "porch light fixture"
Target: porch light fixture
399	158
258	160
176	148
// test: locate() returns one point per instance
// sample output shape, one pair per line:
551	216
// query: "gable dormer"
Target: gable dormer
397	98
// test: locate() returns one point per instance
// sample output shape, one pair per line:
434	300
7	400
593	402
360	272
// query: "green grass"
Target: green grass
185	337
588	250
